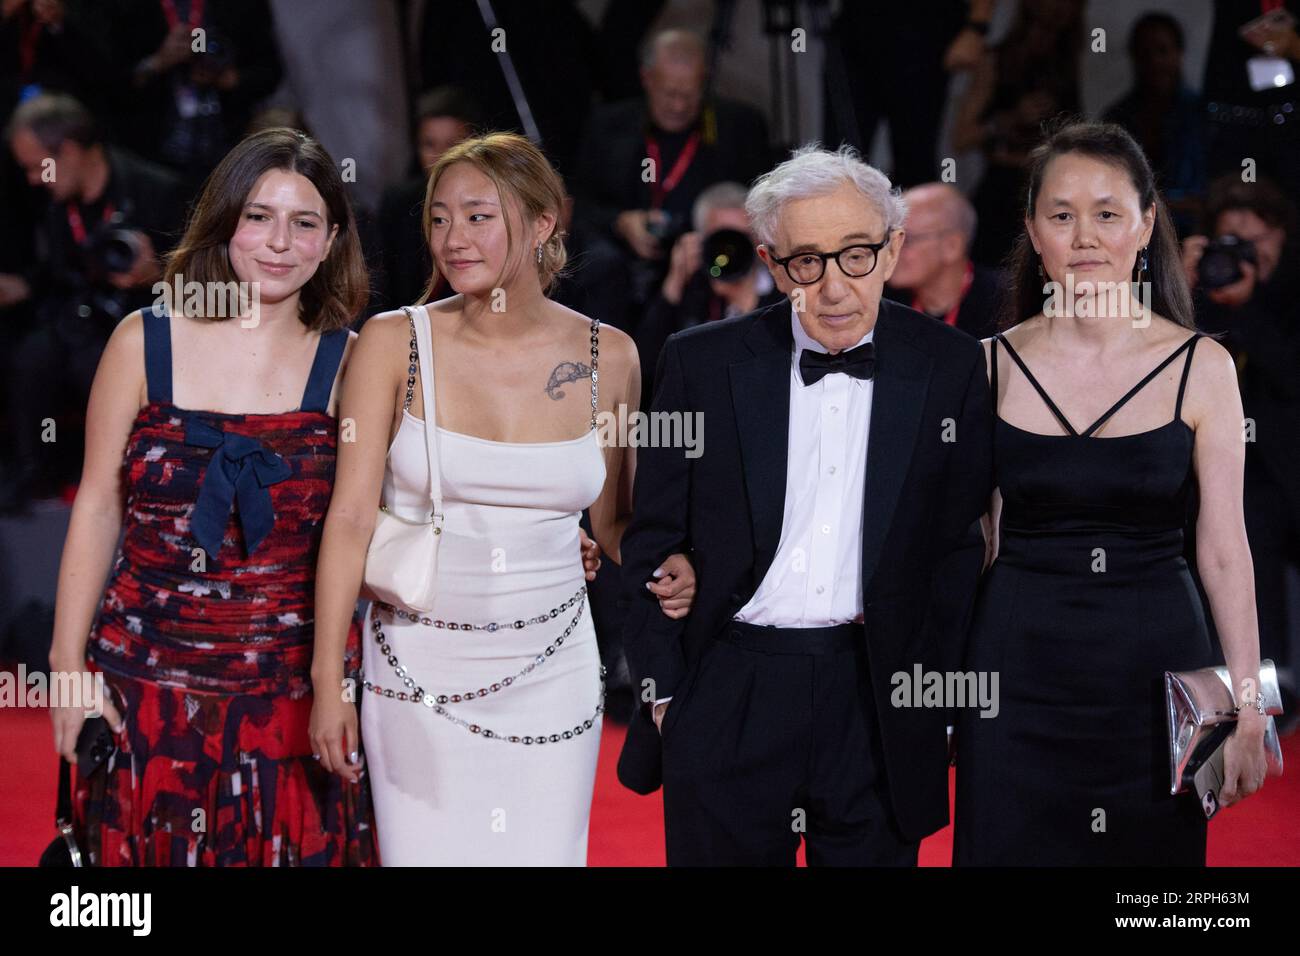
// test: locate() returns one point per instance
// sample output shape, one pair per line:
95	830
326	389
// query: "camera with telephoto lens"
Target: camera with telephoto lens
1221	261
727	255
111	248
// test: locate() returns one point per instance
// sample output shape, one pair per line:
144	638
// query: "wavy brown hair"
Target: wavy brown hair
340	287
521	172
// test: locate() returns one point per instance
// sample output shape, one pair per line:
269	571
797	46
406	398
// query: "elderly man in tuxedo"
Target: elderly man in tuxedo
831	517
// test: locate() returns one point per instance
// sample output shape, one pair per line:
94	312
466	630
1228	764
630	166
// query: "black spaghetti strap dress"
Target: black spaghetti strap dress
1088	603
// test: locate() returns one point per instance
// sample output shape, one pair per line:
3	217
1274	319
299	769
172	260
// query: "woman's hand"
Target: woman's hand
69	719
590	554
1244	765
674	586
334	735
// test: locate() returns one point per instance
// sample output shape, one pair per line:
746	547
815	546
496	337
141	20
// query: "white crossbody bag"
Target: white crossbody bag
402	560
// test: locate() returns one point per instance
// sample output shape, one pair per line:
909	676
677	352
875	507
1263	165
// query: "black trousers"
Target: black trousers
773	736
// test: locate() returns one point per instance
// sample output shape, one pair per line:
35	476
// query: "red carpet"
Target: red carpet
626	829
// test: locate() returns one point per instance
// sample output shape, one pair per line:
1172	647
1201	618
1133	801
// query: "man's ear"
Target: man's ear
779	278
896	239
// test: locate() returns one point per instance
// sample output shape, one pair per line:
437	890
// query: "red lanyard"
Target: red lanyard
951	317
660	188
173	18
27	48
78	225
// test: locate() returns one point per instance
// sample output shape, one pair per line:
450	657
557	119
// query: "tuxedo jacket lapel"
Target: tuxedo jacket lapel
760	395
902	376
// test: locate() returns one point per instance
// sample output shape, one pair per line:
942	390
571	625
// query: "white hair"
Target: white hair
723	195
814	171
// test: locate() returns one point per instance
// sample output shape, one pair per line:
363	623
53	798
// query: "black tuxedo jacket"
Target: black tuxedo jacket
928	479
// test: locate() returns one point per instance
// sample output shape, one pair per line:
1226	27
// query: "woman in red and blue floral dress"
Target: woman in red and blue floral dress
211	442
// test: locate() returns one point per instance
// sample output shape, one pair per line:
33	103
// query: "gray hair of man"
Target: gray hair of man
814	171
674	44
723	195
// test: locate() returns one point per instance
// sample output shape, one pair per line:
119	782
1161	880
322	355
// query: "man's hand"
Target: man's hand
48	12
1239	293
590	554
632	225
674	585
13	289
1276	41
175	49
1193	249
964	52
683	262
146	269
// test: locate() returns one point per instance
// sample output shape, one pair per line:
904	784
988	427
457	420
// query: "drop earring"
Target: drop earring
1042	276
1142	264
539	255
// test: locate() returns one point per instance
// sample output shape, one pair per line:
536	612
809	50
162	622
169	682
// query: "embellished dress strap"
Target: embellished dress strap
595	350
324	368
412	364
158	353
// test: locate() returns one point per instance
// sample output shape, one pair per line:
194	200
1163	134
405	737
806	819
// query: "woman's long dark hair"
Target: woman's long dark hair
1170	295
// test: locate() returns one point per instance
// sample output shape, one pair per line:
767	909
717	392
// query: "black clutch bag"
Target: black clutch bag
95	745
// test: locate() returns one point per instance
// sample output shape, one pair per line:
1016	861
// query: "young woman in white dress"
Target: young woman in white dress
502	771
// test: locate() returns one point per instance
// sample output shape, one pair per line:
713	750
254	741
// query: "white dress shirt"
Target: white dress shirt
815	579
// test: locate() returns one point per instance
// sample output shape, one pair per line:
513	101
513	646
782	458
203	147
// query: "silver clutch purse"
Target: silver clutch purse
1198	705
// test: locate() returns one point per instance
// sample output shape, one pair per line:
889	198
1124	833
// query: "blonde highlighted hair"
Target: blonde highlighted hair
523	175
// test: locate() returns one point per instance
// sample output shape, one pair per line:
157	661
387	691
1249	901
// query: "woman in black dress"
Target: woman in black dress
1108	415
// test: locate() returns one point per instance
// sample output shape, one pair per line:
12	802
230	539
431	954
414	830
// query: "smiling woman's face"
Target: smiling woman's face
283	235
1087	221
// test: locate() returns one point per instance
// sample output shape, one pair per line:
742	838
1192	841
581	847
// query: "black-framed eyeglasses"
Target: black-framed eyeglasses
856	261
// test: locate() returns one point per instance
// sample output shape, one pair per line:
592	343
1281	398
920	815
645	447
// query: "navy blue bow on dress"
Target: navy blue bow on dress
241	469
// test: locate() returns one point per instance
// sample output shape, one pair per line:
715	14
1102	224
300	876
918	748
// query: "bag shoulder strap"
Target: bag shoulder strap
419	317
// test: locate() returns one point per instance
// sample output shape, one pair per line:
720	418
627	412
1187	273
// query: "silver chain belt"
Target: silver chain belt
490	628
418	695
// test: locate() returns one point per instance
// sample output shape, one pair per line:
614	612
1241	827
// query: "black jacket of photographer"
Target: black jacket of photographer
139	196
733	146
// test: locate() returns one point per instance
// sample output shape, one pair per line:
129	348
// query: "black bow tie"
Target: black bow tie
860	362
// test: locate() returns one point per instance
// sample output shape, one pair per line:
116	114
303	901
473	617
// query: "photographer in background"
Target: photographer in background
713	273
108	219
443	117
935	274
182	102
1246	280
627	217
